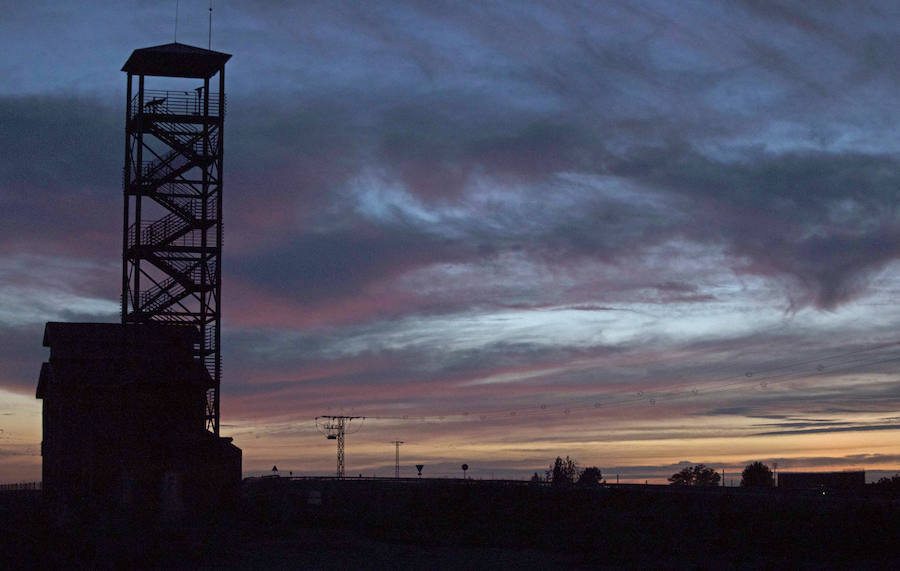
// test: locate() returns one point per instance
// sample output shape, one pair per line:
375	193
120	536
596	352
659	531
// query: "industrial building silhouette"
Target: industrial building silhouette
123	423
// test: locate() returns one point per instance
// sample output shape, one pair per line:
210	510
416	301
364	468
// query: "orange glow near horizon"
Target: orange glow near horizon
20	437
294	445
524	449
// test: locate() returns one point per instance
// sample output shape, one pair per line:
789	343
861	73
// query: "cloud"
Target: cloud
43	143
60	175
819	222
848	460
316	267
21	355
823	219
830	429
480	164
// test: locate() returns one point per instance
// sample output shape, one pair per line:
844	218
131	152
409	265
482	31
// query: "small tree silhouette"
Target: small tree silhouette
757	475
698	475
562	473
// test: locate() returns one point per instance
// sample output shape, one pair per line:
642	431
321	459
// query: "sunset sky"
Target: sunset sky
636	233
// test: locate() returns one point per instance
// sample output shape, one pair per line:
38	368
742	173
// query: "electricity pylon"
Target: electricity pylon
334	428
397	444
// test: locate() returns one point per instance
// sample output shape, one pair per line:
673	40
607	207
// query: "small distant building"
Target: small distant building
822	480
124	412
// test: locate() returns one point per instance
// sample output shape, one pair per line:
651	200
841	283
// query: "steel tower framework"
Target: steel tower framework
396	444
334	428
172	232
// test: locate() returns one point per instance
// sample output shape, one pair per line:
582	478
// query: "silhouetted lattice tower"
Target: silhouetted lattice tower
334	428
172	252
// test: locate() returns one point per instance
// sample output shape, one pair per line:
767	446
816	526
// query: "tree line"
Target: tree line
754	475
565	472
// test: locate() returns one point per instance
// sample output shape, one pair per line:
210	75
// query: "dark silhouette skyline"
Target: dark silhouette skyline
518	224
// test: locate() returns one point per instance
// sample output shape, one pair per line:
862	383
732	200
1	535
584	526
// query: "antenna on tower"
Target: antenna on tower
209	45
176	21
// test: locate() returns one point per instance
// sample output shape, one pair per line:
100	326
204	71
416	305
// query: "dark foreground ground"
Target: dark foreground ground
385	524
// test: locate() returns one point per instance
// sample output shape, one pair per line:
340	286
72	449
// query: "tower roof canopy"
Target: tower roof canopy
175	60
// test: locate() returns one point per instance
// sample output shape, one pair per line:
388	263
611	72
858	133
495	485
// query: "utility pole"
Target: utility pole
334	428
397	444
